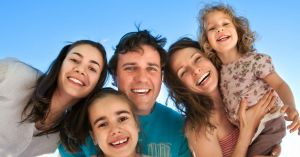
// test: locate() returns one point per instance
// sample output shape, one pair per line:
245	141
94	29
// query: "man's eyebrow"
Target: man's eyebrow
127	64
153	64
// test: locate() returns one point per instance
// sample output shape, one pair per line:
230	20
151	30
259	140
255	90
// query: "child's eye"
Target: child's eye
101	125
182	74
211	28
225	24
123	118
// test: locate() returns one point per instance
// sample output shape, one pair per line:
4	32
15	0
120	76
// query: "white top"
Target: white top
17	82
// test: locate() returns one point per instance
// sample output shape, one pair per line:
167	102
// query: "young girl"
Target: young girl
228	41
109	118
33	105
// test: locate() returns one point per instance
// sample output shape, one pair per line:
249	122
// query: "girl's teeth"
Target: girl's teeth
76	81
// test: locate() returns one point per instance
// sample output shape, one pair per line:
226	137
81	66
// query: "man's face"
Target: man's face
139	76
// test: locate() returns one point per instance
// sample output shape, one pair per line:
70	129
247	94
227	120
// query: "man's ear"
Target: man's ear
93	137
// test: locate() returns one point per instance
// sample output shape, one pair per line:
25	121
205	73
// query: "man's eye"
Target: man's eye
130	68
152	69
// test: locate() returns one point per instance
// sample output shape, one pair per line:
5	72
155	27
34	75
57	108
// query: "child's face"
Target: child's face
114	128
195	71
221	32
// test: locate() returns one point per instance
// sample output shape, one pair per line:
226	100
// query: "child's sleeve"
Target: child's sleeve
262	65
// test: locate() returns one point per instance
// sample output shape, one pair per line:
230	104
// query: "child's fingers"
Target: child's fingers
284	108
294	125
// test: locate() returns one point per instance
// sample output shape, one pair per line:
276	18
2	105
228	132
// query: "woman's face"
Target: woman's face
80	71
194	70
114	127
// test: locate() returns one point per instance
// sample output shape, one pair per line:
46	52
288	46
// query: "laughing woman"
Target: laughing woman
34	105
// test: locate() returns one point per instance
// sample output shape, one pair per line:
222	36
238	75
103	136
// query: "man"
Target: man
137	68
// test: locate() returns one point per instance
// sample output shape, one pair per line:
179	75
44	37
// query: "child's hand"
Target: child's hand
291	115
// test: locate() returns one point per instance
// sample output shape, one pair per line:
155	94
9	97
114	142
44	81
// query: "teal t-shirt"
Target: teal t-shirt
86	150
161	135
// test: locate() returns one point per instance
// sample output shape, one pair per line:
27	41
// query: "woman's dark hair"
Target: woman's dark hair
196	107
38	107
83	126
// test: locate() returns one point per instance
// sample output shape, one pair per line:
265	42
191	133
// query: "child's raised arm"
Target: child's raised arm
286	95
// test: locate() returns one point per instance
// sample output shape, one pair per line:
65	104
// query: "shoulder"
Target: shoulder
16	70
256	56
168	112
15	66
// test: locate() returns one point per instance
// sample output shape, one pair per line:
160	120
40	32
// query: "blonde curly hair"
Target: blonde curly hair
246	37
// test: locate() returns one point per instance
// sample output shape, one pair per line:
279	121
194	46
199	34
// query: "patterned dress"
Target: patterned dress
243	78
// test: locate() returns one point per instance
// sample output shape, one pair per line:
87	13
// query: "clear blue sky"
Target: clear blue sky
35	31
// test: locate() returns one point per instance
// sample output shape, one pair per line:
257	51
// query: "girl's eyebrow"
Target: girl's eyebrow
91	61
99	119
122	111
116	113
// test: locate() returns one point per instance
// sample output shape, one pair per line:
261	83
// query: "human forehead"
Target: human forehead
181	57
109	105
146	54
212	16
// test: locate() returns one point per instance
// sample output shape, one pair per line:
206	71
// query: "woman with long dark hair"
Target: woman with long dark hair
34	105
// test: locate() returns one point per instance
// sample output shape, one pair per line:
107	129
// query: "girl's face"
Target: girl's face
221	32
114	127
80	71
195	71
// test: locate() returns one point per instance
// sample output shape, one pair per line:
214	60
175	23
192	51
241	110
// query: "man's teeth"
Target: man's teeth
76	81
203	77
140	90
120	142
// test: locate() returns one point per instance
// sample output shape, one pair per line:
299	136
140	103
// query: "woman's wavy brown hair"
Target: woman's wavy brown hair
196	107
246	37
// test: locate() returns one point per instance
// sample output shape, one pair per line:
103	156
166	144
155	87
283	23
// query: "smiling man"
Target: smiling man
137	68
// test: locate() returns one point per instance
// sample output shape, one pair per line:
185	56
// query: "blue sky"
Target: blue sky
35	31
